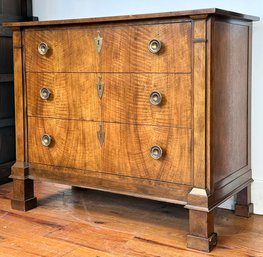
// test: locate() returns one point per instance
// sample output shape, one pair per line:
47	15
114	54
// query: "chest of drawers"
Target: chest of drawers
154	106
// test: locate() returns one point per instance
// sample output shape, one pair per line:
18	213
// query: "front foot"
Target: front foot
201	231
23	188
25	205
202	243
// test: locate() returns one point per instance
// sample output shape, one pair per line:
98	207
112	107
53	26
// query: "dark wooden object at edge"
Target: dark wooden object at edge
10	10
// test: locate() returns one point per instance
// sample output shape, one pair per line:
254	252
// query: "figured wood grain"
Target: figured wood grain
74	143
175	54
124	49
125	151
230	113
63	50
125	97
73	96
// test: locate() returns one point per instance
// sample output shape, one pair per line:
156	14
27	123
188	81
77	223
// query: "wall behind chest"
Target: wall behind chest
65	9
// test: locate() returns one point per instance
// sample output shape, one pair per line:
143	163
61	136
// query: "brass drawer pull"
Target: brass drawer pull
46	140
44	93
156	152
43	48
154	46
155	97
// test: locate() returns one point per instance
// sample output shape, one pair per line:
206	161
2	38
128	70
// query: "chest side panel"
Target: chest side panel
230	99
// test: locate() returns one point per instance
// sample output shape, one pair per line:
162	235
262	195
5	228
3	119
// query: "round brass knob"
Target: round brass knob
154	46
155	97
44	93
43	48
46	140
156	152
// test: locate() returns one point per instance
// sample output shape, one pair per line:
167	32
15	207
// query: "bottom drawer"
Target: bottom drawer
114	148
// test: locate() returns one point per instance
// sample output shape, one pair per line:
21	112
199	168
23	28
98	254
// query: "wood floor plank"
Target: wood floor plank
75	222
84	252
8	252
93	237
36	245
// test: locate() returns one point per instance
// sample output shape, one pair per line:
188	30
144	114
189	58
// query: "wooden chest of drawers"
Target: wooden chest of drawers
154	106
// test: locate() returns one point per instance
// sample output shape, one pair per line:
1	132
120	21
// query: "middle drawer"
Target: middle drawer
163	99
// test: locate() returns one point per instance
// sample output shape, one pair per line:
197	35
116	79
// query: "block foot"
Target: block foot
202	243
244	210
24	205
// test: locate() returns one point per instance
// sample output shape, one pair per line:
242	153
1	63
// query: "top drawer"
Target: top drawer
123	49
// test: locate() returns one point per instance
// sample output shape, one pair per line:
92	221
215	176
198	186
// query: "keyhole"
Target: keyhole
98	41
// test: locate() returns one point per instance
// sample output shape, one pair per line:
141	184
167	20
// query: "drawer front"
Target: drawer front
125	149
73	143
135	99
123	49
125	98
72	96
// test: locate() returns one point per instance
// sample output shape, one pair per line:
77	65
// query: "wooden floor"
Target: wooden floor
80	222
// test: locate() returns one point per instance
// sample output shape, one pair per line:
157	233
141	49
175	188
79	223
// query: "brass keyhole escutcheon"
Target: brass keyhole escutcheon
101	134
100	87
98	42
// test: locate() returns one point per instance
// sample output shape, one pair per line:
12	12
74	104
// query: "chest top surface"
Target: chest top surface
138	17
